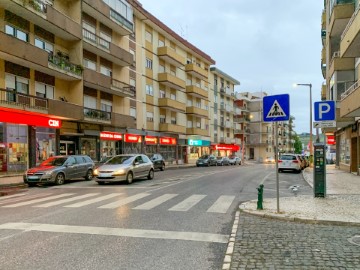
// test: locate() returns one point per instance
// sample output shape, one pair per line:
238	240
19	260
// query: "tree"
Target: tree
297	145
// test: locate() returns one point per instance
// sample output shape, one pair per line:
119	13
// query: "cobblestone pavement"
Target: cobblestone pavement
263	243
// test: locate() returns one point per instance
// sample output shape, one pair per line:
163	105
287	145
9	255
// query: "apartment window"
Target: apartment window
206	107
189	103
15	32
132	82
105	40
89	64
198	125
133	54
162	119
162	93
206	127
149	63
106	105
161	69
188	81
44	45
173	71
90	102
173	120
17	83
198	104
149	90
90	33
173	96
149	116
161	43
148	36
132	112
44	90
106	71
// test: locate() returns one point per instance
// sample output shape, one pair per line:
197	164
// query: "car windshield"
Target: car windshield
54	161
120	160
219	158
288	157
204	157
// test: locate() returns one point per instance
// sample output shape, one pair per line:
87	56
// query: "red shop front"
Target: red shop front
26	139
224	149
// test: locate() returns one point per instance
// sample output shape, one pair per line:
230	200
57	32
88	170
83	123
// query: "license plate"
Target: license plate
33	177
104	175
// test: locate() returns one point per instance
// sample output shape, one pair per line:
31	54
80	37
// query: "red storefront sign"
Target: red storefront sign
28	118
151	140
132	138
110	136
330	139
168	140
232	147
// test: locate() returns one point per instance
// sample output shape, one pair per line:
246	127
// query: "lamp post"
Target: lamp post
311	128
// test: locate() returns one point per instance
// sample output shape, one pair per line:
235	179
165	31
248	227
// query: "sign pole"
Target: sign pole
276	167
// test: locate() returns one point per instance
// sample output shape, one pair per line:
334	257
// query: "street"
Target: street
180	220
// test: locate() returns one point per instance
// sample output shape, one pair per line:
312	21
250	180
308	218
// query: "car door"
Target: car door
70	168
137	167
81	166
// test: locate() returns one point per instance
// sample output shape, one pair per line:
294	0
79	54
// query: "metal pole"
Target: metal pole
276	167
311	134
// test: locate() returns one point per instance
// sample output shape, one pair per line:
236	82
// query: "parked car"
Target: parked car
221	161
289	162
206	160
125	167
58	169
158	160
234	160
270	160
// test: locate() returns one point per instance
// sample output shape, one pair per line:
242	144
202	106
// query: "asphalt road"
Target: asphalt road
180	220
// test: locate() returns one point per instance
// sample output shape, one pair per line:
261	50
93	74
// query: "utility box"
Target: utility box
319	170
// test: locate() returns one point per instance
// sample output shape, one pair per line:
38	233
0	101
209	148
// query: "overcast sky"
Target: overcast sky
266	45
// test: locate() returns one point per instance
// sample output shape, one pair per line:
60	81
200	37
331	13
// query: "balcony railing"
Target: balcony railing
38	5
351	89
97	114
96	39
351	19
63	64
120	19
123	87
10	96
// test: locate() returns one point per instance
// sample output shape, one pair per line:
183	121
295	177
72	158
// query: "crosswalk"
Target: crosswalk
139	202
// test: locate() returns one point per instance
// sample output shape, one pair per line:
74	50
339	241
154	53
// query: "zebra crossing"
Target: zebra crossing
115	200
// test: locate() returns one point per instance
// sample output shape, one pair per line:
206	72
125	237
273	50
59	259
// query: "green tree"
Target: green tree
297	144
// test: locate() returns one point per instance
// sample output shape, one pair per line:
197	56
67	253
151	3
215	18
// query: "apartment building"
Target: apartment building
340	66
222	96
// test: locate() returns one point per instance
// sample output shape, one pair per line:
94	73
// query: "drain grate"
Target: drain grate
355	240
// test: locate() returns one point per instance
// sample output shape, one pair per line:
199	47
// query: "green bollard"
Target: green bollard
260	197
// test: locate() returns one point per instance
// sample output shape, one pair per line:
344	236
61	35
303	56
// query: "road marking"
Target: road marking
12	196
188	203
125	201
153	234
39	200
264	179
155	202
17	199
99	199
222	204
66	200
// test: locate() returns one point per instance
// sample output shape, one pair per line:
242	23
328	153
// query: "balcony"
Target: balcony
196	91
172	128
241	120
47	17
171	81
197	111
170	56
106	49
338	64
350	38
122	120
108	16
62	65
340	15
197	131
237	111
122	89
170	104
197	71
15	100
94	115
350	105
238	131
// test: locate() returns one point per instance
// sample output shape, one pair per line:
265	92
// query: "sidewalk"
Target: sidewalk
340	206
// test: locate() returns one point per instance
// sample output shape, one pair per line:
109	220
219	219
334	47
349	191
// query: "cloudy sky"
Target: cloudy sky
266	45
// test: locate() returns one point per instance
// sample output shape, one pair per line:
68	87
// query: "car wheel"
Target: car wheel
162	168
150	174
129	177
60	179
89	175
101	183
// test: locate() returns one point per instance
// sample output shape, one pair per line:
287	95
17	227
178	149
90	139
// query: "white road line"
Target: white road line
222	204
17	199
39	200
66	200
153	234
155	202
125	201
98	199
12	196
188	203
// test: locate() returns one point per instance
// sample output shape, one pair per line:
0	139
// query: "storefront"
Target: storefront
224	150
132	144
151	145
109	143
197	148
168	148
26	139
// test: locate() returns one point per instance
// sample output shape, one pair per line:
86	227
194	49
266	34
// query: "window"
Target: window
44	45
90	102
132	112
188	81
173	96
198	104
189	124
149	90
149	116
173	120
89	64
148	36
162	93
106	105
161	43
106	71
162	119
189	103
148	63
10	30
161	69
44	90
133	54
19	84
173	71
198	125
89	32
105	40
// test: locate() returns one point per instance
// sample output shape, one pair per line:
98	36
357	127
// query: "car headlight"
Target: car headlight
48	173
119	172
96	172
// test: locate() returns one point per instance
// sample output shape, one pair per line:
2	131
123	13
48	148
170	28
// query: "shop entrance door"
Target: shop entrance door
67	148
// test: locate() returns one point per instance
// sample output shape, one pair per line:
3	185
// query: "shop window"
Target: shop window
44	45
44	90
88	147
15	32
45	143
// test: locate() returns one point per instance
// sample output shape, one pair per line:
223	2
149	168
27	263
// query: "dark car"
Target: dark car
60	168
158	160
221	161
206	160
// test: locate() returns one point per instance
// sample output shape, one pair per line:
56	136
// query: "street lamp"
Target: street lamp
311	128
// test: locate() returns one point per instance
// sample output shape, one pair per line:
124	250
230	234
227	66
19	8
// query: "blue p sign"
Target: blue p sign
325	110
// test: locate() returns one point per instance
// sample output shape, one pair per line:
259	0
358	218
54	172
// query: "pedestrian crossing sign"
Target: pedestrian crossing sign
276	108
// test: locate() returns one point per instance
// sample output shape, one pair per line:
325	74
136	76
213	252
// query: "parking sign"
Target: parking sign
325	110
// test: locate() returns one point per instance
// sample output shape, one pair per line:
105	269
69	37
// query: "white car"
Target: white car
289	162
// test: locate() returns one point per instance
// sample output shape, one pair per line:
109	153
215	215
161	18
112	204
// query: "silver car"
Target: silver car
124	168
